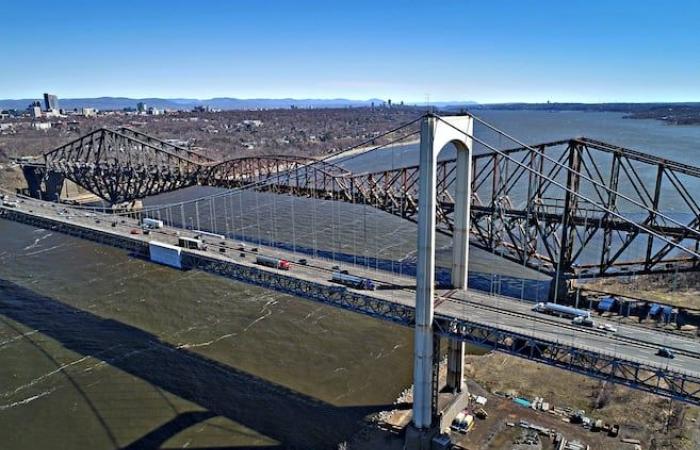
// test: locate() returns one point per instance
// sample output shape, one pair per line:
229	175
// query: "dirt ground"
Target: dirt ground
656	422
682	289
11	178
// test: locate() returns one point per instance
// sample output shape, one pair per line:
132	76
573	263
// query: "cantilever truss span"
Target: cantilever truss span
576	207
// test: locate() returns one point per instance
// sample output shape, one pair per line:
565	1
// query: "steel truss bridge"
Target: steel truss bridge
575	207
570	208
597	355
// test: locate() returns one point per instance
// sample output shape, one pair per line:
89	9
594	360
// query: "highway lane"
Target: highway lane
502	312
625	332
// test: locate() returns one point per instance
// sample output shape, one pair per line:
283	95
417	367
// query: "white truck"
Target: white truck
151	224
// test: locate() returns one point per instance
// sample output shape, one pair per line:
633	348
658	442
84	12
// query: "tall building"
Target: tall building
141	107
50	102
35	109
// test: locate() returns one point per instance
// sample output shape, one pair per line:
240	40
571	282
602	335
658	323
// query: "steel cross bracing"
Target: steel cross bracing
120	167
587	361
519	211
591	362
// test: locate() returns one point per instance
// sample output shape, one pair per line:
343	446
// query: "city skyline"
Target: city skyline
579	52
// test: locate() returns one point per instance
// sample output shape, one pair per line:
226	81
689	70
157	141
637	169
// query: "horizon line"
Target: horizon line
365	100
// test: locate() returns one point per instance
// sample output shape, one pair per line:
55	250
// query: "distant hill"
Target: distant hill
117	103
225	103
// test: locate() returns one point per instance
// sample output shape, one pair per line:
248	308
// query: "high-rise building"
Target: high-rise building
50	102
141	107
35	109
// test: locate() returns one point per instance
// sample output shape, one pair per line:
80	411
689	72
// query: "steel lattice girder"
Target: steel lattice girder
519	214
592	363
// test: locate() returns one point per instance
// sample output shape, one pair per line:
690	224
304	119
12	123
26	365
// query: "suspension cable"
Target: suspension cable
577	173
571	191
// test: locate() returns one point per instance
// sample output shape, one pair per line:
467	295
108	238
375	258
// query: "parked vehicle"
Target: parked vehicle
665	353
269	261
10	204
353	281
560	310
303	261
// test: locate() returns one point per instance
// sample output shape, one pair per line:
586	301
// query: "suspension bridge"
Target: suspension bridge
575	208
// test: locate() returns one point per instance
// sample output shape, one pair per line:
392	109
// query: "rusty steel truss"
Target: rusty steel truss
570	208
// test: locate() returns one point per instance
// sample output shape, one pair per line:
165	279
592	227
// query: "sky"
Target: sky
448	50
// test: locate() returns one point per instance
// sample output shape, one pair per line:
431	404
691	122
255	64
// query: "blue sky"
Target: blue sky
487	51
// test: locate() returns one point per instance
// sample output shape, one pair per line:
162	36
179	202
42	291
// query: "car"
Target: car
665	353
135	231
583	321
607	327
254	249
335	267
303	261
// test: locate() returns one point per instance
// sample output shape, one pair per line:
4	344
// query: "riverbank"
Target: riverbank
351	153
655	422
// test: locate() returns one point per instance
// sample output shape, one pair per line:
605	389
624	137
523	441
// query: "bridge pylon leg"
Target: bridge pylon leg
436	133
455	366
460	257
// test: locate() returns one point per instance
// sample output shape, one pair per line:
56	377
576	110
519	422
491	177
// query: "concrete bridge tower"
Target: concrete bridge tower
436	133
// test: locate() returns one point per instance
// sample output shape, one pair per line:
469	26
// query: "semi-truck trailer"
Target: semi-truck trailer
560	310
191	243
277	263
353	281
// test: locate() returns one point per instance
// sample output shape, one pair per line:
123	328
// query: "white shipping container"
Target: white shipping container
169	255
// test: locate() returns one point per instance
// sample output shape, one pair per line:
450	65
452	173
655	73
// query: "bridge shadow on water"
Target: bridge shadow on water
295	420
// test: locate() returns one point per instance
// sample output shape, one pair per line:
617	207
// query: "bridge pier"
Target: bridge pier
436	133
455	366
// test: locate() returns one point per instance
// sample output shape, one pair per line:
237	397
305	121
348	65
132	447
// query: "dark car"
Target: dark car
303	261
665	353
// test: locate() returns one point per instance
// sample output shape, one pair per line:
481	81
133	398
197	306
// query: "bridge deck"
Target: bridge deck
627	356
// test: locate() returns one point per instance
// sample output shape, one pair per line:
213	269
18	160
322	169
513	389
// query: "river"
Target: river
101	351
